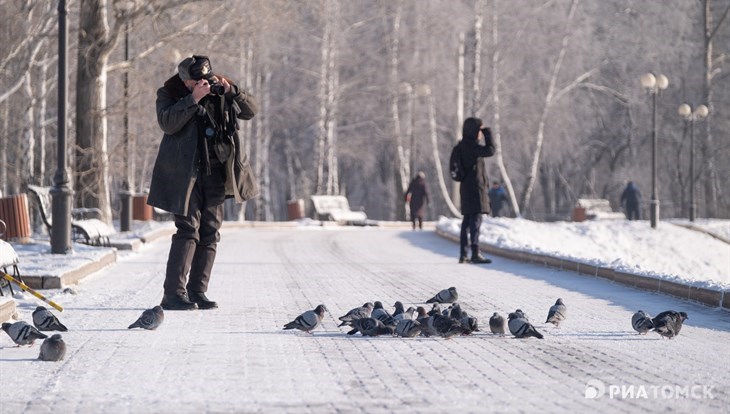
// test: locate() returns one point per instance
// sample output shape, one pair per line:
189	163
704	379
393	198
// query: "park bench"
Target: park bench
595	208
337	208
8	261
86	224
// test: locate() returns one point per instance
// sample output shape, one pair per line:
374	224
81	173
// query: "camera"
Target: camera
216	88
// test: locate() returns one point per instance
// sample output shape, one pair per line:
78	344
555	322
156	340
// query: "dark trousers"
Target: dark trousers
419	220
194	244
470	231
632	212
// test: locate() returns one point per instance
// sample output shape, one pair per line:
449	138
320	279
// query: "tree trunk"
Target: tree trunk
529	185
400	163
92	164
4	151
28	140
475	103
436	156
455	185
708	150
41	169
496	128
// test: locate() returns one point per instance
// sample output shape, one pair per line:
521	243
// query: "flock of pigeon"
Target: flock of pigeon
371	319
54	348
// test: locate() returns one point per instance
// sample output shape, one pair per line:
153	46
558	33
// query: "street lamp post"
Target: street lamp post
125	196
654	84
61	192
691	116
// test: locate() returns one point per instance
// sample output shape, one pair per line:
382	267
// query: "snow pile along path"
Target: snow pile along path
669	252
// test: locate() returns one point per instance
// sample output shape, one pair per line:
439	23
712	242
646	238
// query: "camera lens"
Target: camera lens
216	89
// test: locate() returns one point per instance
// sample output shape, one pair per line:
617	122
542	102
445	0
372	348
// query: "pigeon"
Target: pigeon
370	327
446	327
436	308
669	323
496	324
557	313
150	319
445	296
642	323
520	327
22	333
399	309
469	324
523	315
44	320
309	320
363	311
408	314
408	328
53	349
381	314
456	312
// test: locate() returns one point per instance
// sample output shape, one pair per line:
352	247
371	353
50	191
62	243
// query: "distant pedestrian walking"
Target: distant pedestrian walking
630	201
497	197
474	189
417	198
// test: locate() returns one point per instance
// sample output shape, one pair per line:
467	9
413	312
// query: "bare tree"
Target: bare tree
550	97
497	131
710	63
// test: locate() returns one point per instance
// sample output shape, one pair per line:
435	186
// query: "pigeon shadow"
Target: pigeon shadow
20	360
627	297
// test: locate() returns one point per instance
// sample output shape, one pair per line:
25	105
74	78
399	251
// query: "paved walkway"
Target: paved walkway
237	358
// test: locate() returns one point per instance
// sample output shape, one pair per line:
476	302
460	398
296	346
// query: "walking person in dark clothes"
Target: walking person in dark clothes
497	197
474	187
417	198
630	200
200	163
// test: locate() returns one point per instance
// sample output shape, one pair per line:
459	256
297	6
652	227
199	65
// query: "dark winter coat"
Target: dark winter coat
418	197
178	159
474	189
631	197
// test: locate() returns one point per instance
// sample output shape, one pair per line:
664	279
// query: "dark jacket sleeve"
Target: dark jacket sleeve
488	149
245	101
172	114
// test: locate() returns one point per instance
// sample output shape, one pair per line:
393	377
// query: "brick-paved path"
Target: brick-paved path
237	358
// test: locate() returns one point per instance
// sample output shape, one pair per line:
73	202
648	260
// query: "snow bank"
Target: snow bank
669	252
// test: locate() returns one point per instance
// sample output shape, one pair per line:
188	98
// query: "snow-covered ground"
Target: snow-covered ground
669	252
238	359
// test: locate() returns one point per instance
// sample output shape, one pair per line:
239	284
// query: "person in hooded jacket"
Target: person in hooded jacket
417	198
200	163
630	200
476	143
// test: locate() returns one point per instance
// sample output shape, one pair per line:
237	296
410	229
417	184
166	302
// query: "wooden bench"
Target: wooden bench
337	208
86	224
8	261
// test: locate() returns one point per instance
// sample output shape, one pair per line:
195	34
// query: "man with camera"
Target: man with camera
200	163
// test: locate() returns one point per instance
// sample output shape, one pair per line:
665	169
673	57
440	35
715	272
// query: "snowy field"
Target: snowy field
237	359
668	252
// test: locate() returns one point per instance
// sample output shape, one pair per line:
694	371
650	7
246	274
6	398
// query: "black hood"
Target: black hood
470	131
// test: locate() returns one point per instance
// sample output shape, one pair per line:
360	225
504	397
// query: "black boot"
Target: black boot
177	302
477	258
463	258
201	300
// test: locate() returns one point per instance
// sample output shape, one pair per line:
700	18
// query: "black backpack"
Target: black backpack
456	168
